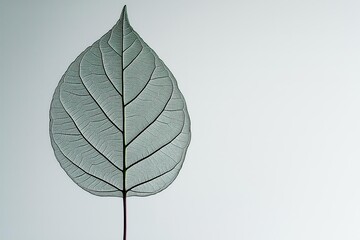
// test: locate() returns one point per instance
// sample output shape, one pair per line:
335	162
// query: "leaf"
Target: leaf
118	122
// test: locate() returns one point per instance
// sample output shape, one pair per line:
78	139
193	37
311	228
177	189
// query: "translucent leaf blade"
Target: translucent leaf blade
118	121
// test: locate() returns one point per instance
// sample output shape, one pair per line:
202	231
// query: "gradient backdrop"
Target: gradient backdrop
273	90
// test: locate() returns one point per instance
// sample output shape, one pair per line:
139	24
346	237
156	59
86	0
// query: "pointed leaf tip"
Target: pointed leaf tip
124	15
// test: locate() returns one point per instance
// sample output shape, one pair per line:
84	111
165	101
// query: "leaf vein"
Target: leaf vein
84	169
88	140
81	79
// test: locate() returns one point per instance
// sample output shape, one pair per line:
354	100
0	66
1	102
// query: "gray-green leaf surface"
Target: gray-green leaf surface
118	122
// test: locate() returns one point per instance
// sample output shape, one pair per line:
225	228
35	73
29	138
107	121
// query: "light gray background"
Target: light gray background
273	92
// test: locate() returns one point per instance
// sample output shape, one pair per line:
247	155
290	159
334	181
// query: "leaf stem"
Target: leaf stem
124	207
